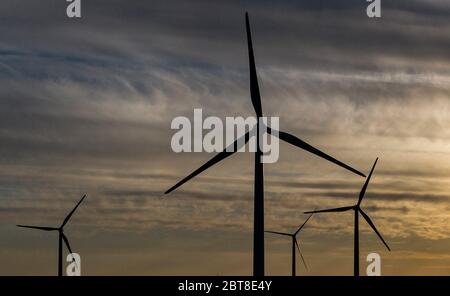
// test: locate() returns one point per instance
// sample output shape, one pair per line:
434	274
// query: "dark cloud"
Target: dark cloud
55	71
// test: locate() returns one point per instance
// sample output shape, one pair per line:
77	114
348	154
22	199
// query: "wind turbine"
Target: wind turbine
61	236
358	210
258	224
293	236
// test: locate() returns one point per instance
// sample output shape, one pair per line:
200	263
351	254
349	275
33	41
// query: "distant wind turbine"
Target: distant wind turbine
61	235
358	210
295	245
258	220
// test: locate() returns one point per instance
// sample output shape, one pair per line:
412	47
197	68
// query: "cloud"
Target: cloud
393	196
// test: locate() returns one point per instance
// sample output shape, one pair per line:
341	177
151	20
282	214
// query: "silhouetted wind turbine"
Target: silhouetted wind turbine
293	236
61	235
258	230
358	210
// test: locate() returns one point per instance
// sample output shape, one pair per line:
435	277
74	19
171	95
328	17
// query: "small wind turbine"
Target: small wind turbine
358	210
61	235
293	236
258	213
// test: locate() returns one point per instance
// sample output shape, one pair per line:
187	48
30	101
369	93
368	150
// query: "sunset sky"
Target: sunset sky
86	106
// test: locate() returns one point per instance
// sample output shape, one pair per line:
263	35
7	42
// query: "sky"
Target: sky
86	107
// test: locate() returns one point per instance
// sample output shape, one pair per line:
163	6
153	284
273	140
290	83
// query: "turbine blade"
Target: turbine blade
342	209
369	221
73	211
38	227
304	223
293	140
280	233
219	157
254	87
364	188
66	241
301	255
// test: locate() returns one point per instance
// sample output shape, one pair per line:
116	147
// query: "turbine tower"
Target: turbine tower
293	236
258	219
357	209
61	236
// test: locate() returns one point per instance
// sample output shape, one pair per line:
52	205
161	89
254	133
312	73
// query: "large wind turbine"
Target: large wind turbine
61	236
293	236
258	230
358	210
